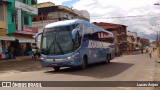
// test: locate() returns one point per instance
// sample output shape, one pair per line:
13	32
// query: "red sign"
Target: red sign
30	29
103	35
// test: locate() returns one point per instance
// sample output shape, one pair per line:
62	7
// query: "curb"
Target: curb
17	59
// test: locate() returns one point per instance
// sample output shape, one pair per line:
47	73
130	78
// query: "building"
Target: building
3	23
83	14
42	5
120	35
144	42
138	40
49	13
3	18
18	30
132	42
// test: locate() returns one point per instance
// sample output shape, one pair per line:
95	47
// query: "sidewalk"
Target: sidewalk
132	53
20	64
157	70
17	59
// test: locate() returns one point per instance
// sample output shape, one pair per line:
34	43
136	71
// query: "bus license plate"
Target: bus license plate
54	64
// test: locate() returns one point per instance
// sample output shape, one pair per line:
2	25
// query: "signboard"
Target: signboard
30	29
27	31
3	32
26	7
19	20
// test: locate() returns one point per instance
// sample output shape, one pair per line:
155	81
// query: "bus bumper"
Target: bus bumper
66	63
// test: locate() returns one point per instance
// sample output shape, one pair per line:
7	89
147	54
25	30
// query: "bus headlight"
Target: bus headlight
43	57
67	58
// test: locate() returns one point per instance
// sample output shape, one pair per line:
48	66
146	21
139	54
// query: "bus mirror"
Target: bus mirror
36	36
74	33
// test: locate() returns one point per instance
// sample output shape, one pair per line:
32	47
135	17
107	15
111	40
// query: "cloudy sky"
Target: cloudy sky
141	16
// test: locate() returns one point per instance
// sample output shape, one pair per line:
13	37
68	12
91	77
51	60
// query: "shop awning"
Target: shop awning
4	2
25	40
7	38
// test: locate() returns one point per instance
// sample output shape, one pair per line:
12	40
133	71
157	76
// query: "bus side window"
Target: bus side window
95	35
106	37
87	33
77	40
80	28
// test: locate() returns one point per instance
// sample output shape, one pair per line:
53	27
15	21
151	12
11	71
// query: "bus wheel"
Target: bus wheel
107	59
84	64
56	68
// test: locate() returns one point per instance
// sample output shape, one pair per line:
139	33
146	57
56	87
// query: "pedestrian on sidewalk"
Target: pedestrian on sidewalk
141	49
150	52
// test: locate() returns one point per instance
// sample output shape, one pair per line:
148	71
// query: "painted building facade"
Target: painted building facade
48	12
120	35
3	17
3	23
17	32
132	40
20	13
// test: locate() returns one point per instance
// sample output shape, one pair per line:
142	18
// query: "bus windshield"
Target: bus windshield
57	41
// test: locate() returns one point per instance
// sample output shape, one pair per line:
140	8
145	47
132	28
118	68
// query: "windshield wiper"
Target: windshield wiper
60	47
50	47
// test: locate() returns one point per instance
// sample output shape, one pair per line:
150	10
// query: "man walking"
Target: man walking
150	51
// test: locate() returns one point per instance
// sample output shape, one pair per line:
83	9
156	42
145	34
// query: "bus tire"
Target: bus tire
84	63
110	58
56	68
107	59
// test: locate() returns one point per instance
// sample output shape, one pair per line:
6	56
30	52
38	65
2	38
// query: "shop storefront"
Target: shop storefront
5	42
19	26
25	40
4	39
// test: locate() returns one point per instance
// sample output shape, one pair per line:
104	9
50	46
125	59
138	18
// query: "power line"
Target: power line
136	16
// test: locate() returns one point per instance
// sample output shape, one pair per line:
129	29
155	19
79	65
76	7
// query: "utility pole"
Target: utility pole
157	37
59	18
42	19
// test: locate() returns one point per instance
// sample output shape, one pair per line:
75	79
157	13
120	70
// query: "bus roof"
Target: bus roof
71	22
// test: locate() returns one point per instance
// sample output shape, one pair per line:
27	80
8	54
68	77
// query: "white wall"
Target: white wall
134	34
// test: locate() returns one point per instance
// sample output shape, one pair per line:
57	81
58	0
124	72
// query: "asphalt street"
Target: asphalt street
131	67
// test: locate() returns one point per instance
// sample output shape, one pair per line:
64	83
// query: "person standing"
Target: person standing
150	52
142	49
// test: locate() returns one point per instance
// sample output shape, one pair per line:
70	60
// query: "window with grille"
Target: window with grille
26	22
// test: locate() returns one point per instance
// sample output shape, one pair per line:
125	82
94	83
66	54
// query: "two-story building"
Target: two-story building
3	18
144	41
120	35
17	27
3	23
48	12
131	40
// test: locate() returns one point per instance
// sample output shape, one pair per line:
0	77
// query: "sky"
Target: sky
140	16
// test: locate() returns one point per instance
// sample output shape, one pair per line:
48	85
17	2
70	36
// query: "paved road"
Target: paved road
135	67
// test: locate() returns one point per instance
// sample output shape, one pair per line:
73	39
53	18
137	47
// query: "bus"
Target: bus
75	43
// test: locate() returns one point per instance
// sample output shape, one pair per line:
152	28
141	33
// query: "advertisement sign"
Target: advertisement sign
30	29
26	7
3	32
19	19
